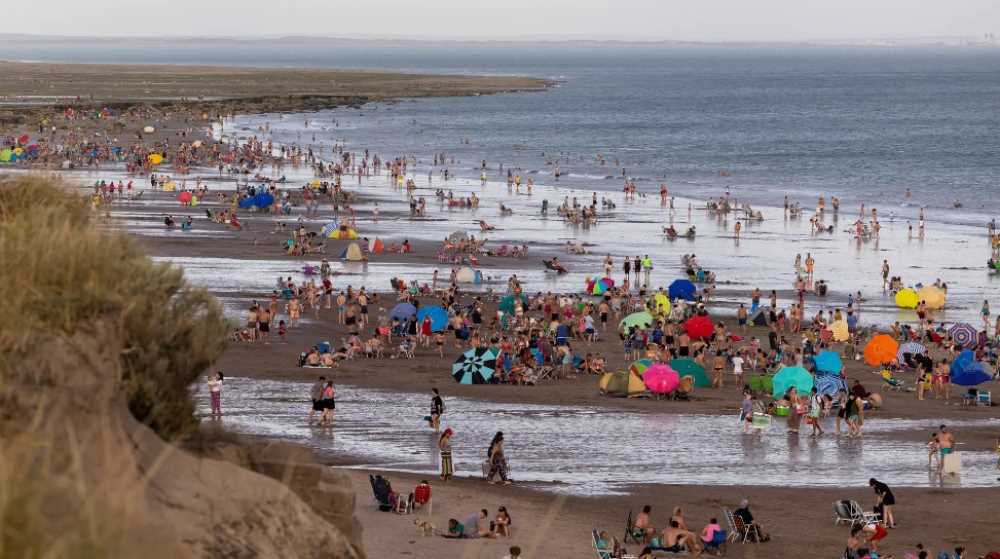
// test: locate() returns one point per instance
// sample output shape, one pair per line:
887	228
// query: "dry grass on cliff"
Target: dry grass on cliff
87	321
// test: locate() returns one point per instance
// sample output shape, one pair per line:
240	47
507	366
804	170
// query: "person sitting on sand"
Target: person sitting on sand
675	540
643	526
502	523
313	358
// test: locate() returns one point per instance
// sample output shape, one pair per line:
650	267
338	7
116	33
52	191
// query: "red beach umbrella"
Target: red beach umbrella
699	327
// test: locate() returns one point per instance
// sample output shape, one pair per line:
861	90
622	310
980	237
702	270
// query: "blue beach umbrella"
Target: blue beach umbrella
828	362
475	366
682	289
966	371
403	312
788	377
439	317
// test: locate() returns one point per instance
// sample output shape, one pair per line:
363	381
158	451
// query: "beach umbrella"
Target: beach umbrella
640	319
661	379
184	197
682	289
330	227
911	348
155	159
881	349
966	371
149	129
23	139
828	385
964	334
828	362
438	316
402	312
691	368
315	183
465	274
699	327
907	299
661	304
598	287
6	154
343	232
507	303
639	367
788	377
934	298
475	366
841	331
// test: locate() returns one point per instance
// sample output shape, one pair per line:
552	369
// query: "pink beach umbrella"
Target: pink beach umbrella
661	379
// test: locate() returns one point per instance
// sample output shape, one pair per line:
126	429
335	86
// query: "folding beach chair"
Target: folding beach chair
850	512
739	530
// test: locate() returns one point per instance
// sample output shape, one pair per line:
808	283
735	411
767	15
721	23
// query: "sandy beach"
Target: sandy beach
566	440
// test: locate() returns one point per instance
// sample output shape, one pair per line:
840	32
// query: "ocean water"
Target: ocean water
863	124
548	443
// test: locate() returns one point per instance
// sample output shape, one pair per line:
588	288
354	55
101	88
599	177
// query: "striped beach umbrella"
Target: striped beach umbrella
964	334
475	366
913	348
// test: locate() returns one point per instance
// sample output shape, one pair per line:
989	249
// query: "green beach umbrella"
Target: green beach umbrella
640	319
507	303
639	367
788	377
691	368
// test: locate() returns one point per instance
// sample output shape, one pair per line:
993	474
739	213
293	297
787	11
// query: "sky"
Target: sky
686	20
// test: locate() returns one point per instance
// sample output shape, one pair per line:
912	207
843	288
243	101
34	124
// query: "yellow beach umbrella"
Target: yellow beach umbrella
841	332
906	299
662	304
155	159
933	297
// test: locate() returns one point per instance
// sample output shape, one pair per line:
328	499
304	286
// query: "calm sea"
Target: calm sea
864	124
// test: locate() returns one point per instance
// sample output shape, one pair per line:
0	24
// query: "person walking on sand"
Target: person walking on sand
316	395
444	445
215	393
885	500
885	275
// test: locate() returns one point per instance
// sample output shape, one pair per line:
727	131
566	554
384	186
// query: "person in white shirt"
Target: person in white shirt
738	369
215	391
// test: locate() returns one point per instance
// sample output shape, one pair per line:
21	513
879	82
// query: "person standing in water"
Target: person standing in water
437	410
444	445
316	395
215	392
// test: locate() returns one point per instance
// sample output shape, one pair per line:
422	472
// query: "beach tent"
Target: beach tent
881	349
966	371
661	304
639	367
691	368
466	274
376	246
402	312
828	363
621	384
759	318
639	319
840	330
964	335
934	298
828	385
661	379
508	302
438	316
907	299
787	377
352	253
682	289
475	366
699	327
